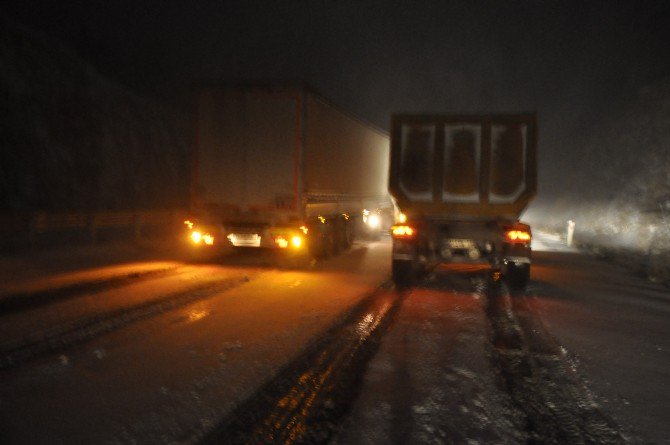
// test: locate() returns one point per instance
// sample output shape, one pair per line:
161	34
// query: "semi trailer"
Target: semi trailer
461	183
277	166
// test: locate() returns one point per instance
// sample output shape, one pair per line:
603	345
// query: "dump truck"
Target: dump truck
461	184
277	166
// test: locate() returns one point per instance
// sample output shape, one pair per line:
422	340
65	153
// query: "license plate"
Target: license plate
245	239
460	244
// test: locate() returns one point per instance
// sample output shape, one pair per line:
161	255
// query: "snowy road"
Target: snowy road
615	327
184	353
172	374
580	357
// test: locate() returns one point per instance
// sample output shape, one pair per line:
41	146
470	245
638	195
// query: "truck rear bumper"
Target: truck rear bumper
516	260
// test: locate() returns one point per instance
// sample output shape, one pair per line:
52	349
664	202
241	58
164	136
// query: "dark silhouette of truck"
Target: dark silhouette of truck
461	183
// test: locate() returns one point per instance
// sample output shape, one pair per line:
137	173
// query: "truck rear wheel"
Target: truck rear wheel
348	235
402	272
324	245
518	275
337	236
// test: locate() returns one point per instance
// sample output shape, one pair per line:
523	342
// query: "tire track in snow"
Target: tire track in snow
20	301
540	379
61	337
306	399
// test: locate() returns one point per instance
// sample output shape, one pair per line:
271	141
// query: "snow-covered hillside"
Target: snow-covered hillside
618	192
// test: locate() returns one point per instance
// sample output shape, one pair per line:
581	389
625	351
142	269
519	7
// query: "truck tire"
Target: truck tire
402	272
337	234
346	235
518	276
331	247
349	234
326	246
320	242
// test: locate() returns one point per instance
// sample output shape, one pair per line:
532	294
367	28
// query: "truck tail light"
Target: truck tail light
198	237
294	241
402	231
517	236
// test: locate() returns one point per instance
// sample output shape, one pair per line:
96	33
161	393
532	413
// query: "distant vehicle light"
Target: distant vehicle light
402	218
208	239
296	241
374	221
196	236
402	231
188	224
304	229
517	235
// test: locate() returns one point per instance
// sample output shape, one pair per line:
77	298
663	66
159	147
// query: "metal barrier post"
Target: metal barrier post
571	232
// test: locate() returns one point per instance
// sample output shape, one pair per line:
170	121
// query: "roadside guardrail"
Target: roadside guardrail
23	230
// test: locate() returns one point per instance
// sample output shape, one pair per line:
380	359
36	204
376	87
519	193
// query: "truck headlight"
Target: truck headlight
296	241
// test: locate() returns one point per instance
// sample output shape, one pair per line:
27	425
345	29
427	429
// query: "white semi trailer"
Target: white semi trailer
277	166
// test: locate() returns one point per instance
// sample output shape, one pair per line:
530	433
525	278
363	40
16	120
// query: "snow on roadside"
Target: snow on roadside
21	269
550	242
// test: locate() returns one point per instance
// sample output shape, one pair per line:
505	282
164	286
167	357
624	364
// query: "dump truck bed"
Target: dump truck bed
480	167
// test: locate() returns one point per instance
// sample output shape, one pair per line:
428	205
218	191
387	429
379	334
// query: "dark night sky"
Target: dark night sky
572	62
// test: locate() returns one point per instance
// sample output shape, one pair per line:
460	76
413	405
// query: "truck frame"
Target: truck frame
461	182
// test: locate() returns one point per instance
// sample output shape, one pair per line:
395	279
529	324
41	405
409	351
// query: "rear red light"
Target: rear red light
518	236
402	231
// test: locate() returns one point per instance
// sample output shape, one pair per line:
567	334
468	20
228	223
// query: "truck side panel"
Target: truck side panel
247	150
277	166
343	156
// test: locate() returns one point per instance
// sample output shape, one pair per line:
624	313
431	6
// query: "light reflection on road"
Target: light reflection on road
196	314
